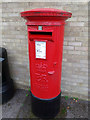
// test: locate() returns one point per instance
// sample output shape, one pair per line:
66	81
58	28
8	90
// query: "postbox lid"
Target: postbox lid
46	12
45	16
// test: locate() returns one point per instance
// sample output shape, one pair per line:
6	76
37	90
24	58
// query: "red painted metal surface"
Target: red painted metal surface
45	70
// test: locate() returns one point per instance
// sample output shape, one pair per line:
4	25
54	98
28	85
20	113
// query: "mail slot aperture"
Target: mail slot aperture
38	35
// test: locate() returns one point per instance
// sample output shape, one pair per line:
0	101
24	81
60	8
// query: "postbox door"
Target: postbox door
45	52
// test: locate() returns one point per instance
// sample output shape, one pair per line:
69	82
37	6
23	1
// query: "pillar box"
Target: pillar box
45	28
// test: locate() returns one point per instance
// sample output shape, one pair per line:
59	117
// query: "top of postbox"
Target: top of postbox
45	14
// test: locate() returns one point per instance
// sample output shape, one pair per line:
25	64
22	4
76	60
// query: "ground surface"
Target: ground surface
20	107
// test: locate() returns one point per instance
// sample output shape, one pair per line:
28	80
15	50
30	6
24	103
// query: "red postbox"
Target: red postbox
45	40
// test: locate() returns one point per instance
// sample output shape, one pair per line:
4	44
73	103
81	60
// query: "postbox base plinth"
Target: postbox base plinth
45	108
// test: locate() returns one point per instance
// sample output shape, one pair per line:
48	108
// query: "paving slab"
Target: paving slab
11	108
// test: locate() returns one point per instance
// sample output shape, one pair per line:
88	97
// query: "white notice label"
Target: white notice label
40	48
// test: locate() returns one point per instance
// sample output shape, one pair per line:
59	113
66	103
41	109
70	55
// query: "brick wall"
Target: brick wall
75	54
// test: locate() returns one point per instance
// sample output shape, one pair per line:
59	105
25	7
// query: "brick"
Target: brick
84	53
82	18
84	34
78	29
84	69
79	65
84	61
75	43
85	44
70	34
82	39
68	47
80	13
76	24
81	48
74	52
69	38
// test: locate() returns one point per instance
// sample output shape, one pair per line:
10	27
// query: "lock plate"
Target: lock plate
39	27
